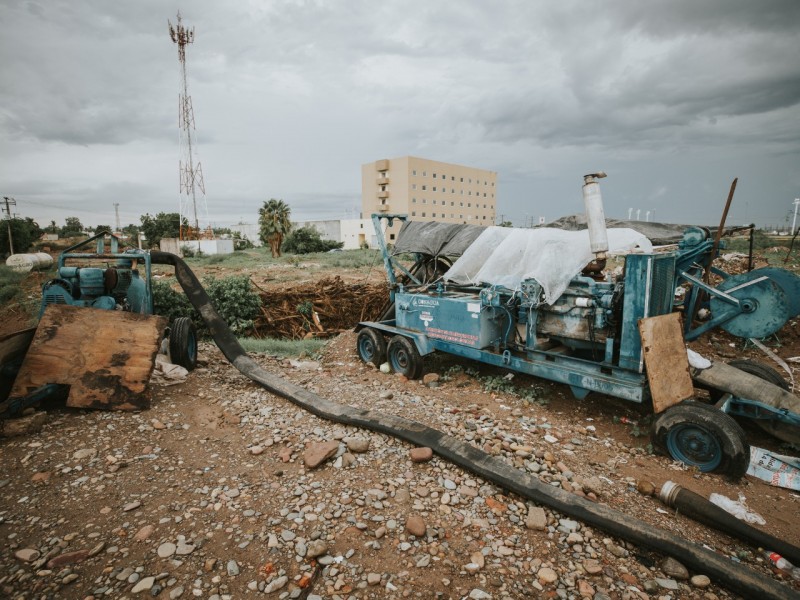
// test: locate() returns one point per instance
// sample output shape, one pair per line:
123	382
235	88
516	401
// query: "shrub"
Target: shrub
171	303
9	283
235	301
307	240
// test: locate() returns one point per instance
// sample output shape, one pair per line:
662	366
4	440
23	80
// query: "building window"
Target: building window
462	181
424	173
460	216
391	236
453	178
413	213
462	204
469	204
413	200
424	201
484	217
433	215
424	187
413	186
452	191
469	193
383	188
452	204
484	194
414	172
434	188
423	214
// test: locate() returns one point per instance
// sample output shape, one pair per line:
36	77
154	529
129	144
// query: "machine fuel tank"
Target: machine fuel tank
454	317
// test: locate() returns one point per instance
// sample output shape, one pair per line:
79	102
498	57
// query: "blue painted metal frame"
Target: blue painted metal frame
583	376
752	409
114	247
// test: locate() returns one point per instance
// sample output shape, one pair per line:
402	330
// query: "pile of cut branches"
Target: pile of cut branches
321	309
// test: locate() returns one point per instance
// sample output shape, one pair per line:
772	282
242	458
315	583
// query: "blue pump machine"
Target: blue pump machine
588	338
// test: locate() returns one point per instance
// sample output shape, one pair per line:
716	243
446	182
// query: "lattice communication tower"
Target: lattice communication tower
190	174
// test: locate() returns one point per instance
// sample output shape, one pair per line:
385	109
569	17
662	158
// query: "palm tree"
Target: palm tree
274	224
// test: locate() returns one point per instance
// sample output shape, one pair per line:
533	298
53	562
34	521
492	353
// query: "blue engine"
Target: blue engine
105	288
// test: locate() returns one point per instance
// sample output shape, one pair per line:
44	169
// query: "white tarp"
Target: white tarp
504	256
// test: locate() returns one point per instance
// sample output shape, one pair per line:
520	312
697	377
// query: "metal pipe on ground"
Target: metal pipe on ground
743	581
694	506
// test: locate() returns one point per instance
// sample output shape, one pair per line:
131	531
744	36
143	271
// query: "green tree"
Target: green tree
23	233
100	228
506	224
163	225
274	224
72	227
306	240
53	227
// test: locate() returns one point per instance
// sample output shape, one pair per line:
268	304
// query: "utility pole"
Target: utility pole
9	202
794	219
116	210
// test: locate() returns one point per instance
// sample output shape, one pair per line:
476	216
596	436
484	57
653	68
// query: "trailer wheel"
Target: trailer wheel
404	357
371	346
183	343
782	431
702	436
760	370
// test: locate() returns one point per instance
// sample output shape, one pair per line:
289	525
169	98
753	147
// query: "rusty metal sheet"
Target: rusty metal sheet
665	360
105	356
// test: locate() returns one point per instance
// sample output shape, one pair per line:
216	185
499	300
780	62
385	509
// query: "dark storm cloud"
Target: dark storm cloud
290	98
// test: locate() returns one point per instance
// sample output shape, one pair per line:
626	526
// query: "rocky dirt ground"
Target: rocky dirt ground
210	494
214	493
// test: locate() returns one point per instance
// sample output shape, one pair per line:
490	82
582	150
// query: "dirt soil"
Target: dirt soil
207	494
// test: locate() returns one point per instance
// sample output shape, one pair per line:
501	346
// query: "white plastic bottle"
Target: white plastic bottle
783	564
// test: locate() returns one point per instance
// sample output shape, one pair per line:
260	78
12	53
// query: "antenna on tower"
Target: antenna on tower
191	175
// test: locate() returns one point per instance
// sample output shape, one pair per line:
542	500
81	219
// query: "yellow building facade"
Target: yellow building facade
429	190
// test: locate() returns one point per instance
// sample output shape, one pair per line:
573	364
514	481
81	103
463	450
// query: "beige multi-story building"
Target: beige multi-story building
429	190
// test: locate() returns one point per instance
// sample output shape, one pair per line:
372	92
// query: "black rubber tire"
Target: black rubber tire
404	357
706	421
761	370
371	346
183	343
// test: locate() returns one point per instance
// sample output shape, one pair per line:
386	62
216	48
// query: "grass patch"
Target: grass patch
9	283
286	348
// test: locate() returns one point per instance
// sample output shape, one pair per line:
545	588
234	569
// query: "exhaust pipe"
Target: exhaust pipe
595	216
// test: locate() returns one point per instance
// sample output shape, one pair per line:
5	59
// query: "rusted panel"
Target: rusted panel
106	356
666	361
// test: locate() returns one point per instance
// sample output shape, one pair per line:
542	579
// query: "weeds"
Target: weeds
311	348
9	283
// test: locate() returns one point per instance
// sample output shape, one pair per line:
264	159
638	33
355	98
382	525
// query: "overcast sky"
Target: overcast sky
673	99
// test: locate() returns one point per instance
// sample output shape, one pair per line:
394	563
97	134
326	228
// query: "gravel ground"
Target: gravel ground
215	492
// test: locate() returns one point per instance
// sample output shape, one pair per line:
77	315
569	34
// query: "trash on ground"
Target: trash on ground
776	469
737	509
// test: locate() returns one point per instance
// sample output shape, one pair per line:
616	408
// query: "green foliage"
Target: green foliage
131	229
9	283
189	252
163	225
72	227
235	301
274	224
307	240
364	245
305	308
171	303
499	384
24	232
100	228
506	224
241	243
287	348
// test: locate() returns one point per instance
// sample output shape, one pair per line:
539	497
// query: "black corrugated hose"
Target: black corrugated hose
731	575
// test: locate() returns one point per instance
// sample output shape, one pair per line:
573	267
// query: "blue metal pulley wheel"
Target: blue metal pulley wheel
695	446
765	306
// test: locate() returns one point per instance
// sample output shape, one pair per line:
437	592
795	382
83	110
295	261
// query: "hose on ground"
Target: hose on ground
745	582
692	505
